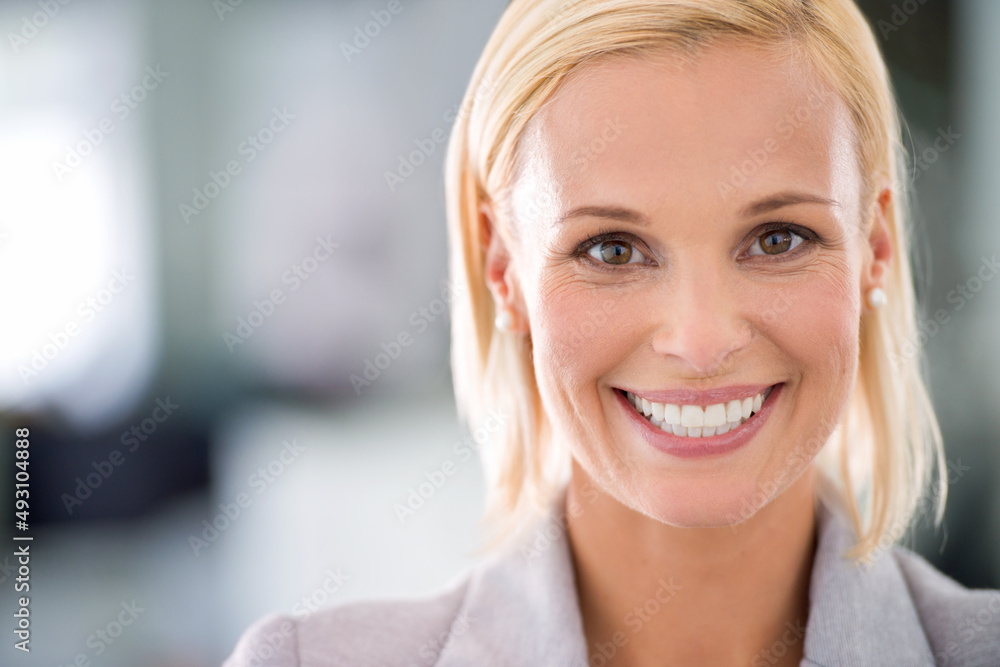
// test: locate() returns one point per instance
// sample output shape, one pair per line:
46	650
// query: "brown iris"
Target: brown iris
776	241
615	252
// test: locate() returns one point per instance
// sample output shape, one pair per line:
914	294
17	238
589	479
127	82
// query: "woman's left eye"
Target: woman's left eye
777	241
616	251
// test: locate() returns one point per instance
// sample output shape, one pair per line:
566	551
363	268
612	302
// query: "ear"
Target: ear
878	257
499	271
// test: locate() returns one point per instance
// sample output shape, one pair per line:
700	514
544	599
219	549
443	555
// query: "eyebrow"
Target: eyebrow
760	207
610	212
785	199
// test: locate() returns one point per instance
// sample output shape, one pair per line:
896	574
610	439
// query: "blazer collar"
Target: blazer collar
521	606
859	614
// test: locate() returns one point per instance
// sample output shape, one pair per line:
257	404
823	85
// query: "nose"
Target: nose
700	322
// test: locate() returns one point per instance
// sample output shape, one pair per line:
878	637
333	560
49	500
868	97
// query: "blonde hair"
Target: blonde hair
883	453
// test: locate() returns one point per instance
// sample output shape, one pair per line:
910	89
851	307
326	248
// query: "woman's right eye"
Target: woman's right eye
615	251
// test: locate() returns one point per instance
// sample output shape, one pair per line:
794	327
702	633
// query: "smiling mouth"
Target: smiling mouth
697	421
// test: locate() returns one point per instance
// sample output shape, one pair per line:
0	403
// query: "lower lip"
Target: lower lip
712	445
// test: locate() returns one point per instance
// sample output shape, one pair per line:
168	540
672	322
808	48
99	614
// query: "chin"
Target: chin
702	503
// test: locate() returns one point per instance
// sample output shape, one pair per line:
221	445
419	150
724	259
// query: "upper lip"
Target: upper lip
685	396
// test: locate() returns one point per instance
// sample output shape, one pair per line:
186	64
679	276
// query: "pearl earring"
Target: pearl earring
504	322
876	297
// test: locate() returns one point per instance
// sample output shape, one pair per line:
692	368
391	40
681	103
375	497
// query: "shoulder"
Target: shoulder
962	625
370	633
272	641
895	608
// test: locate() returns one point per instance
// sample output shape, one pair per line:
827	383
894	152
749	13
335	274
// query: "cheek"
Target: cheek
581	334
814	326
809	318
578	335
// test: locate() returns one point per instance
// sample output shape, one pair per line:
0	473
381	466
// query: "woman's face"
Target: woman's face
682	226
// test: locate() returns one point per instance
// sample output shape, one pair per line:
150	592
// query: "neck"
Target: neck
654	594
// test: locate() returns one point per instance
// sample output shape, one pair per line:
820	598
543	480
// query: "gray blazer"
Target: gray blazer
520	608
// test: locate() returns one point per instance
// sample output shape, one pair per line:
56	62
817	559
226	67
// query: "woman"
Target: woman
683	232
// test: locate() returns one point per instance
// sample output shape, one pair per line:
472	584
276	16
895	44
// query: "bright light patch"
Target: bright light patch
57	242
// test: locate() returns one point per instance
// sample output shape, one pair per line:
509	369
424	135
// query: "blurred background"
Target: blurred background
217	219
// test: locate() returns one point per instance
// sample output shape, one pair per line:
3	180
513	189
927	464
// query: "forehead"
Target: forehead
720	127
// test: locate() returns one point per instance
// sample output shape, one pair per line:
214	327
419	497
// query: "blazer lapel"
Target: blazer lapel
859	615
521	605
521	608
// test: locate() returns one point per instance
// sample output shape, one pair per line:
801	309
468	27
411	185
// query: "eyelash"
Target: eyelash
604	235
808	237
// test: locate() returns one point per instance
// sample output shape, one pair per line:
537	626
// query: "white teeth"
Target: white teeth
695	421
715	415
692	416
